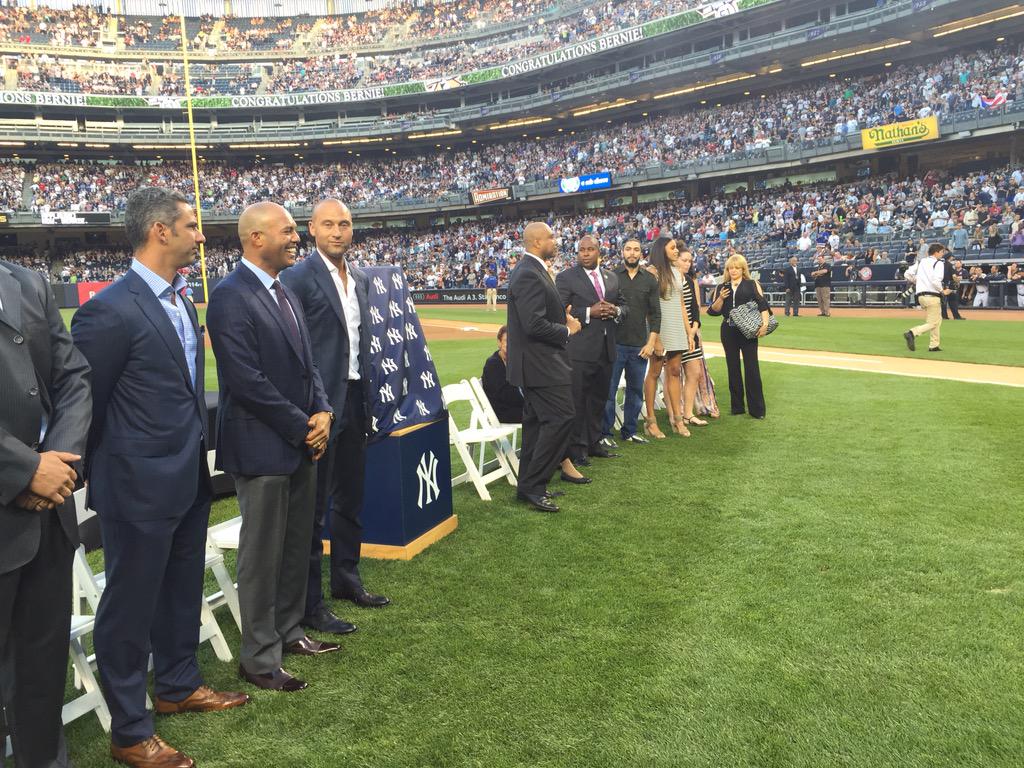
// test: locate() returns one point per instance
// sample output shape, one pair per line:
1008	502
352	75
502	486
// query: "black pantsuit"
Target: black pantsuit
547	430
339	483
36	620
951	305
735	345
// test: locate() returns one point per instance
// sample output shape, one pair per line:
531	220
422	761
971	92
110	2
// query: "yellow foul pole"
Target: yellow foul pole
192	147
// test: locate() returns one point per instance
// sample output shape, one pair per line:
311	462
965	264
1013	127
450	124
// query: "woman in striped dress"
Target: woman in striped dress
671	342
693	368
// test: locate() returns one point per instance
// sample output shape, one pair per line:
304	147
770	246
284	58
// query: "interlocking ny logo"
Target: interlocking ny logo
426	472
388	365
393	309
375	316
379	286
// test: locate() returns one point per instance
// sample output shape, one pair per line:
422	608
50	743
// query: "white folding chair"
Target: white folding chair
490	419
91	699
219	538
476	433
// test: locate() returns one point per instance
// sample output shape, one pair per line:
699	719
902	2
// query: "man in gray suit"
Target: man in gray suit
45	409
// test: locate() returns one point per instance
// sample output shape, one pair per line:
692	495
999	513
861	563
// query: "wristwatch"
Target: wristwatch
331	414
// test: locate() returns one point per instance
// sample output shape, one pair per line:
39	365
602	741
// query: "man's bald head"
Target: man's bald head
539	240
269	237
331	229
256	217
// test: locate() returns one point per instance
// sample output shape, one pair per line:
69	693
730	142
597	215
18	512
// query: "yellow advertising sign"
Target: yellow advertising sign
894	134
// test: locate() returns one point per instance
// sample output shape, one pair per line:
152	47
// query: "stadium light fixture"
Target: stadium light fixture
1000	39
851	52
972	22
12	143
275	145
167	146
67	143
602	106
434	134
705	85
366	140
519	123
774	70
97	146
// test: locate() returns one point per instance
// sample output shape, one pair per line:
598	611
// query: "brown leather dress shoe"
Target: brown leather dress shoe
278	680
154	752
202	699
307	646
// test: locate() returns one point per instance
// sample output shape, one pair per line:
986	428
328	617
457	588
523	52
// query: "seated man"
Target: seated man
507	400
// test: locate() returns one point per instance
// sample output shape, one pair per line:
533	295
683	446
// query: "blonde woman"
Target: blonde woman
736	290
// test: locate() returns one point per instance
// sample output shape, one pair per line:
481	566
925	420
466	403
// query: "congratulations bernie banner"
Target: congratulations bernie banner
404	386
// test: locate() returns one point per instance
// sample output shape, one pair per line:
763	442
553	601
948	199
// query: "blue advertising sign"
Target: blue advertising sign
585	183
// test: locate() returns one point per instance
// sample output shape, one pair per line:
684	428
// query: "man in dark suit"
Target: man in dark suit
594	292
333	298
149	481
273	423
539	327
44	421
792	287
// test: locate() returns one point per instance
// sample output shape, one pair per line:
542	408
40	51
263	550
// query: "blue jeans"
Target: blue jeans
628	359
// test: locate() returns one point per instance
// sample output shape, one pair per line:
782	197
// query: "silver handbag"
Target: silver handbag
746	318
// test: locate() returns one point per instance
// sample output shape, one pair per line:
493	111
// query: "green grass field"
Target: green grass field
838	585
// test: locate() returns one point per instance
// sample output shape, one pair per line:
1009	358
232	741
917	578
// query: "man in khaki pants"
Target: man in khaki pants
927	274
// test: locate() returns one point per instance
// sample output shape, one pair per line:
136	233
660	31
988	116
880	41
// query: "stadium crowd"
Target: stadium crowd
342	71
877	220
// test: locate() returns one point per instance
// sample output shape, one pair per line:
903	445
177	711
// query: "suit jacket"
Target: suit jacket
146	454
43	378
537	335
596	339
312	284
268	387
790	278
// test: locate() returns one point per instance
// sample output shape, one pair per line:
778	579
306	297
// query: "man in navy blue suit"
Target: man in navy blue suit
148	478
334	301
273	423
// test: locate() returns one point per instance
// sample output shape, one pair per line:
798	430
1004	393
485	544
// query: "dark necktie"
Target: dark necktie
285	308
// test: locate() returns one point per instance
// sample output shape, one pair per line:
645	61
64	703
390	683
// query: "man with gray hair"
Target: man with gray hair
149	481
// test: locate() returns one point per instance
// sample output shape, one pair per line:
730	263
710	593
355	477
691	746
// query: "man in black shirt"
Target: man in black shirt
822	274
951	283
634	340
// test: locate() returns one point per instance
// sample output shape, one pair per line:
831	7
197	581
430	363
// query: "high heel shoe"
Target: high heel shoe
679	426
651	429
695	421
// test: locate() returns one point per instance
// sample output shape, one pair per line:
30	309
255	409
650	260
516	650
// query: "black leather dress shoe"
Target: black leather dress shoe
603	454
307	646
554	494
325	621
278	680
362	598
581	480
542	503
583	461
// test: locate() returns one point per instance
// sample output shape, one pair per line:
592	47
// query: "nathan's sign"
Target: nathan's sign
484	196
895	134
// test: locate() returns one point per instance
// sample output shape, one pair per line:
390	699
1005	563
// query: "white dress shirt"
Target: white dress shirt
350	306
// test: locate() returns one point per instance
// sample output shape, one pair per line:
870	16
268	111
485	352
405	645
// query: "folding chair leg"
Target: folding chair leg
471	472
227	586
92	699
209	629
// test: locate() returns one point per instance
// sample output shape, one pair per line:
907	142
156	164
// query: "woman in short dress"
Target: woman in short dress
691	359
671	342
